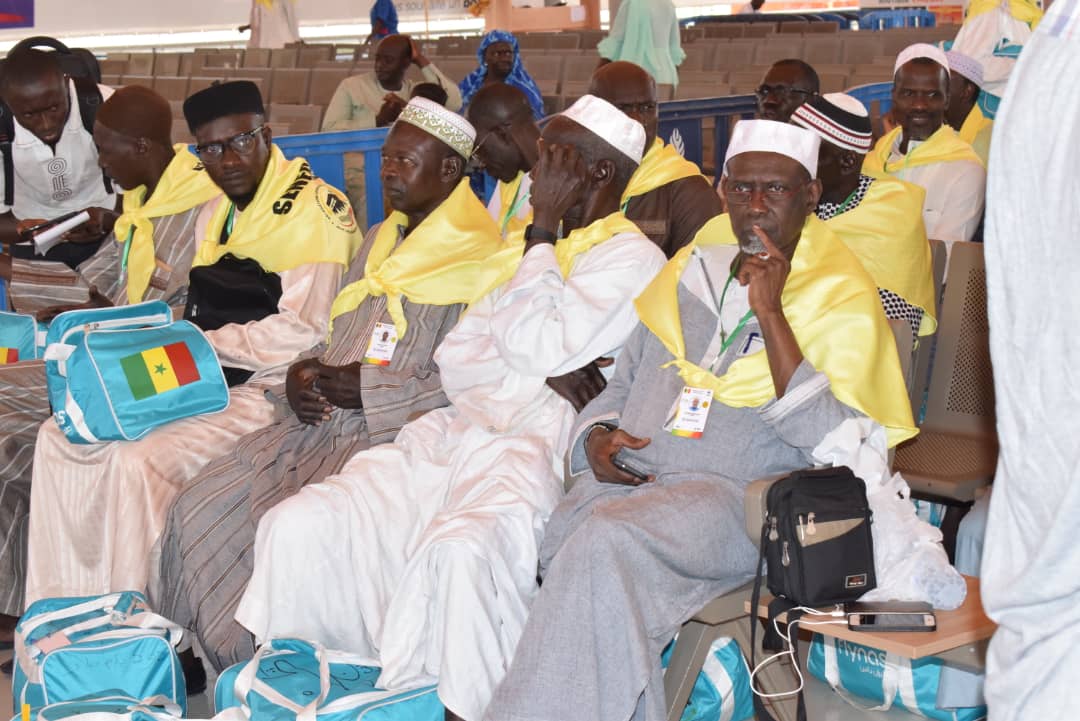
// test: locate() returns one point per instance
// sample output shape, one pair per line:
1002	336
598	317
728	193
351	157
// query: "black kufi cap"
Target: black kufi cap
217	101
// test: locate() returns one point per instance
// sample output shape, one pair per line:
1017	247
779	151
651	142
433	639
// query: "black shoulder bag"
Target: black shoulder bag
816	538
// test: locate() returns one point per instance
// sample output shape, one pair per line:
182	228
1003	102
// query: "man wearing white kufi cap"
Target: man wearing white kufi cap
747	356
879	219
437	533
925	151
965	113
409	282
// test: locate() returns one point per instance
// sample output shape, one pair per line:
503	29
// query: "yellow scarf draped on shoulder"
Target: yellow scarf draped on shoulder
453	256
835	313
886	233
581	240
942	147
660	166
184	185
509	196
294	219
1022	10
976	131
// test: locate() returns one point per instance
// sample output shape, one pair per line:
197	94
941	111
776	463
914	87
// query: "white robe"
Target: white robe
422	554
97	510
1031	556
273	27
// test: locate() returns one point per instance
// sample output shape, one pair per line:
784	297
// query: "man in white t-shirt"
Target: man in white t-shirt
55	163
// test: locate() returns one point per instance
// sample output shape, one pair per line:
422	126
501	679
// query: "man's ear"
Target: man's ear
603	173
721	190
453	167
142	146
813	195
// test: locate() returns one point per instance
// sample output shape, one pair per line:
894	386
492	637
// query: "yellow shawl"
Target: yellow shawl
451	257
581	240
1022	10
294	219
886	233
942	147
184	185
834	312
660	166
508	221
976	131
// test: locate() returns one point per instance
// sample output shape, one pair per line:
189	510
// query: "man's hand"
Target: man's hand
390	110
417	57
101	222
581	386
308	404
24	225
602	445
559	180
766	274
97	300
341	385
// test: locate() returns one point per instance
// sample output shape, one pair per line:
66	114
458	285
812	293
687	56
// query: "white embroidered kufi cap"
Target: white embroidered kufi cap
612	125
839	119
967	66
447	126
921	50
769	136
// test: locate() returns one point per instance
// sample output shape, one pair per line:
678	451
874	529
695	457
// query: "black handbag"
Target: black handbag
232	290
817	540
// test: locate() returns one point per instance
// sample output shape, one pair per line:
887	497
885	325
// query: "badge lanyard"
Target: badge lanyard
515	206
127	249
725	339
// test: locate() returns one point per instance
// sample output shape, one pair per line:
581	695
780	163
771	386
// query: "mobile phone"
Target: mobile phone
620	462
891	616
28	233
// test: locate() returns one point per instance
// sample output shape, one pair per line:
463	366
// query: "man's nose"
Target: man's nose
757	202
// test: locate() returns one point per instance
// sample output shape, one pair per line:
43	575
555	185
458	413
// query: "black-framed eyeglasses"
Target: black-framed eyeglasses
782	91
740	193
242	144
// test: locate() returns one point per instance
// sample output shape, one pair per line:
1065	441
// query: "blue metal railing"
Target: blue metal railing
682	124
898	18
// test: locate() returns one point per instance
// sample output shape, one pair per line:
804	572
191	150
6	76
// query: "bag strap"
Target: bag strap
248	680
889	680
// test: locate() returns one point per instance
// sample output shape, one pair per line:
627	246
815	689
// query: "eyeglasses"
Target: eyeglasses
645	108
242	144
739	193
483	139
781	91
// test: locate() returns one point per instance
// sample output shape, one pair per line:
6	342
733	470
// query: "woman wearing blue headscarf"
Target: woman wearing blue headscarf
383	20
500	62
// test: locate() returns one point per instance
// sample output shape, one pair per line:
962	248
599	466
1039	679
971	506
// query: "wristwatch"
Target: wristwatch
534	233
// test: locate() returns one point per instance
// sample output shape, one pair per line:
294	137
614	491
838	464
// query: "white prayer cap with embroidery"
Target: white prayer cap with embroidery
967	66
769	136
612	125
921	50
447	126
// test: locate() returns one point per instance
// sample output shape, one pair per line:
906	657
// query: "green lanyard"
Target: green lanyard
847	201
127	249
229	219
725	339
515	206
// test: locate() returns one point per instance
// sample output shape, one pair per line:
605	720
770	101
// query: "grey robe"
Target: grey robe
207	544
24	401
623	567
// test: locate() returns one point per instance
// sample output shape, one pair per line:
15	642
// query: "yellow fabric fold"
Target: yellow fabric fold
294	219
184	185
886	233
976	131
942	147
509	223
835	313
660	166
581	240
453	256
1022	10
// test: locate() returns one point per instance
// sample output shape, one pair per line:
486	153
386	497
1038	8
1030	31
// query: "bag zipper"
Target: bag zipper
114	323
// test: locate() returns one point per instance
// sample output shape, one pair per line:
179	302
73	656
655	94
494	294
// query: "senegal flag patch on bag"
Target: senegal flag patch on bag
159	369
9	355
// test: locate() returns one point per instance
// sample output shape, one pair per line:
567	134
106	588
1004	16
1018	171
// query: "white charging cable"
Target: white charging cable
837	612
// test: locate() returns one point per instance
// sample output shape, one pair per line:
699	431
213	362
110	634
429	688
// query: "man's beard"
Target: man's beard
751	244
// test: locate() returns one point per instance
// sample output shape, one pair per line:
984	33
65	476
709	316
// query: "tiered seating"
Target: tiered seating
722	59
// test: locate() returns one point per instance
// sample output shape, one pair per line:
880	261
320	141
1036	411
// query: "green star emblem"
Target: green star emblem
160	369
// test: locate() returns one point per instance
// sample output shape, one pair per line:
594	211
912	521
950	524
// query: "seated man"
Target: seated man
788	84
927	152
354	393
668	198
965	114
879	219
438	532
113	496
375	99
507	148
165	188
54	163
747	356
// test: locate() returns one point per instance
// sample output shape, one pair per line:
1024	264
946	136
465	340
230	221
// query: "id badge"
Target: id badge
692	413
381	348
